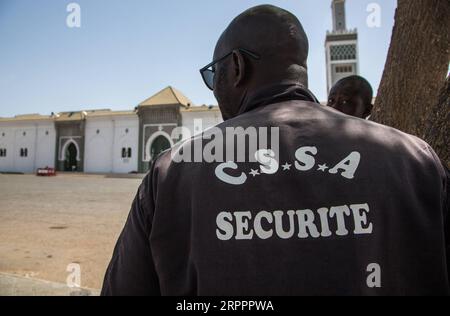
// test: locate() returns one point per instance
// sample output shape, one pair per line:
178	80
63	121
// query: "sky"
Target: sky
125	51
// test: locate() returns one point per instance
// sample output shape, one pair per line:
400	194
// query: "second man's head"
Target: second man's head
352	96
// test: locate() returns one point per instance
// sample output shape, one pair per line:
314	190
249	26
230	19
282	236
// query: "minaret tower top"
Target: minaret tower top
341	47
338	9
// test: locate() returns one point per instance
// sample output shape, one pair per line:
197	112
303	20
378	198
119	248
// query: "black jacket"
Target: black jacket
354	208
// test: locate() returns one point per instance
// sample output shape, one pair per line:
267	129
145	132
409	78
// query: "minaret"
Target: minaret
341	47
338	8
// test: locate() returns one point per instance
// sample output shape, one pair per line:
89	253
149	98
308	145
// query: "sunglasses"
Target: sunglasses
209	70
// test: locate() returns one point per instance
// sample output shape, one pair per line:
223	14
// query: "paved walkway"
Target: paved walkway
47	224
11	285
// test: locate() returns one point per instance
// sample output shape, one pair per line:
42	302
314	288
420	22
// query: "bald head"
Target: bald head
272	33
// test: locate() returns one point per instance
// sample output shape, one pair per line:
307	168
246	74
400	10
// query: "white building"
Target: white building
26	143
341	47
100	141
111	142
199	118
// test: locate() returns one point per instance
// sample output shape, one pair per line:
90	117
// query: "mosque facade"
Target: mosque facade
101	141
105	141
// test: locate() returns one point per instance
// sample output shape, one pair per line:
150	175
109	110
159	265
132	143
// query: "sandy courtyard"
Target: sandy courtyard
48	223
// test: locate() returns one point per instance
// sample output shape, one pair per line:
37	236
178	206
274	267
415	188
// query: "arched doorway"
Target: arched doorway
70	155
158	145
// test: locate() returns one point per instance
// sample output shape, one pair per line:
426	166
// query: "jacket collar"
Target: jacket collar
275	93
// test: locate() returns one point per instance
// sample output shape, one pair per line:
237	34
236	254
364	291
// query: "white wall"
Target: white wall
126	135
46	145
7	142
32	136
208	119
98	147
103	151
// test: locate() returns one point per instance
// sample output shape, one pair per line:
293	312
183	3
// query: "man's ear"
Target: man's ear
238	67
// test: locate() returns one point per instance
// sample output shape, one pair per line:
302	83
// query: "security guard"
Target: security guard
312	201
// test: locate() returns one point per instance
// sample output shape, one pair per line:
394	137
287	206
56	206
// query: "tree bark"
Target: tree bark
437	131
415	71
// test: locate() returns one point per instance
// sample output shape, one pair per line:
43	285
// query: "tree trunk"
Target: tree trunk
415	72
437	132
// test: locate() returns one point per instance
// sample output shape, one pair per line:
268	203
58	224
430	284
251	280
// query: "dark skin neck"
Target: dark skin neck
273	34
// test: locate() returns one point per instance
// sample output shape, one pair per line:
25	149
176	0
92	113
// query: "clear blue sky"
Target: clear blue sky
125	51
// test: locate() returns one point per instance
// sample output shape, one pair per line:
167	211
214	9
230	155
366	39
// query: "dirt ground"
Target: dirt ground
48	223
